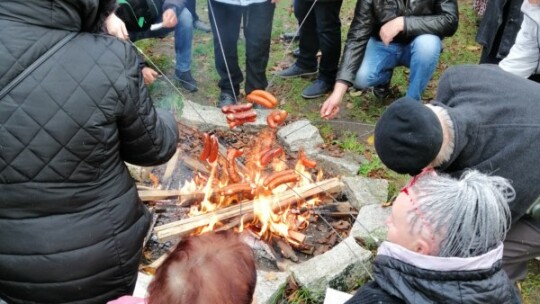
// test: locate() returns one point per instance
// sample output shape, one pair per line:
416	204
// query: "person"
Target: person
444	243
209	268
498	29
485	119
197	22
225	17
320	30
385	34
524	56
174	16
71	222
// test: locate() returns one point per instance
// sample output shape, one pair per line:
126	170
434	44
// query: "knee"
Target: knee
365	78
427	46
185	19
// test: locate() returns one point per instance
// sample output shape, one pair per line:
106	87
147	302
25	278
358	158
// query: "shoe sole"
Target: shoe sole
300	75
314	96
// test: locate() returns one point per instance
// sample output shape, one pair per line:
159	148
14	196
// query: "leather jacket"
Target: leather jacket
437	17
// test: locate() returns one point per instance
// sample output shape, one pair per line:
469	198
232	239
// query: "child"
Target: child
444	243
209	268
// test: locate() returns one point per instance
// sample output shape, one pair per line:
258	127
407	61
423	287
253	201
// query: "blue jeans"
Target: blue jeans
183	36
420	55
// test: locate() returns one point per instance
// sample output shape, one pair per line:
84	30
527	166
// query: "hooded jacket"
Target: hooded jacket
403	276
436	17
71	223
524	57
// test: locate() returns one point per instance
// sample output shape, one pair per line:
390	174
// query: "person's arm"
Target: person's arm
443	22
357	38
524	57
148	136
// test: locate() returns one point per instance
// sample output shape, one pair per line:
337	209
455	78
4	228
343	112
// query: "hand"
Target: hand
274	1
169	18
390	29
149	75
116	27
330	107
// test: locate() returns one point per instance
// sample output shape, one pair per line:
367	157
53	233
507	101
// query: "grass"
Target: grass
359	107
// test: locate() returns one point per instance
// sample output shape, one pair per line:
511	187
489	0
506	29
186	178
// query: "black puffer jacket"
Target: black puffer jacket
71	222
402	276
437	17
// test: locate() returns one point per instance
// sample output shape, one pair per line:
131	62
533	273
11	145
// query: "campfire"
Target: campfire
256	190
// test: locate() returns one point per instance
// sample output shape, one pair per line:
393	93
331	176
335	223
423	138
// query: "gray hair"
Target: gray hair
468	217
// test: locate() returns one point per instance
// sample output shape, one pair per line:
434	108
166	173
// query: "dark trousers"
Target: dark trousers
321	31
522	243
257	26
190	5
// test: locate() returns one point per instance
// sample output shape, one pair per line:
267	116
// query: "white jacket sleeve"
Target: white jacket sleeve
524	57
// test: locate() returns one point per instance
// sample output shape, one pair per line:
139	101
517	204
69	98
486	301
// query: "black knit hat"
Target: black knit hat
408	136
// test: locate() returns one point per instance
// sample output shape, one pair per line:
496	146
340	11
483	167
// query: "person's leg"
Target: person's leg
329	33
522	243
308	41
183	38
190	5
225	21
378	64
421	56
257	30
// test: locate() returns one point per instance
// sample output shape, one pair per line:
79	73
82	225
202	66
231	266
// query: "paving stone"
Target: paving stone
362	191
340	268
298	134
371	221
268	285
208	118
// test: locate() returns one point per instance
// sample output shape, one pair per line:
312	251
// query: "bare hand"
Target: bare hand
390	29
330	107
169	18
274	1
116	27
149	75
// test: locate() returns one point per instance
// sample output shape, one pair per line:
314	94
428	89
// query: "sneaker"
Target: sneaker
186	81
295	71
290	36
317	89
382	91
225	99
202	26
296	52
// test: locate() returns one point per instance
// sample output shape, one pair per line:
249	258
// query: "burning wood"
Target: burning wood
244	211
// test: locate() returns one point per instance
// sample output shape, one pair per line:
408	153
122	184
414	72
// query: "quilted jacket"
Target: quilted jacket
71	222
402	276
437	17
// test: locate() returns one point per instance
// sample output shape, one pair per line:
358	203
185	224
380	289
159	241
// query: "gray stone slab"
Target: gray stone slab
346	165
340	268
362	191
371	221
268	285
298	134
208	118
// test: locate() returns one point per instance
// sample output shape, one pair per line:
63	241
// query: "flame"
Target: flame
266	220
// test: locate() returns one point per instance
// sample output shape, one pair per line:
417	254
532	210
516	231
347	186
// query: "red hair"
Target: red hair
210	268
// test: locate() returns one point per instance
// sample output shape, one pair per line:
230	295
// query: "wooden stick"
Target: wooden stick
245	210
297	236
154	195
286	250
195	164
169	170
